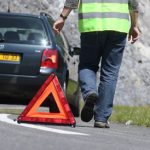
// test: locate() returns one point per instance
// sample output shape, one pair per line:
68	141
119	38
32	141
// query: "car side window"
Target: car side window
50	20
59	41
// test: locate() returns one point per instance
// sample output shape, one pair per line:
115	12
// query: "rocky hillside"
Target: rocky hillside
133	87
134	83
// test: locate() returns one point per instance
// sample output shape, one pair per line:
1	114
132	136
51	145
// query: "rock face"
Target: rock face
133	86
134	82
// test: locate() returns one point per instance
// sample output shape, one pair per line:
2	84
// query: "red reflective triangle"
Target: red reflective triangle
63	117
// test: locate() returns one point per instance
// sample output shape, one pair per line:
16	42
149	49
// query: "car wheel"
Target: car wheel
64	87
75	106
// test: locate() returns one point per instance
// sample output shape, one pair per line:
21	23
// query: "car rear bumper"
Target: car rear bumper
21	86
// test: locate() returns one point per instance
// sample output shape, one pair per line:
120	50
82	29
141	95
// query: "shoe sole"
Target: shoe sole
87	111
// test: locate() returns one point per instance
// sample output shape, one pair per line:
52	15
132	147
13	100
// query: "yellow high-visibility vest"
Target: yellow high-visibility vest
103	15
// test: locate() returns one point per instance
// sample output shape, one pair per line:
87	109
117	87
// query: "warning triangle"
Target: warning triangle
63	117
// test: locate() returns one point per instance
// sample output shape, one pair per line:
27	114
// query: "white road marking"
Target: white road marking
4	118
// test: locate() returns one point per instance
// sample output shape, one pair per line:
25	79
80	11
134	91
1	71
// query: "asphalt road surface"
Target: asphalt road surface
84	136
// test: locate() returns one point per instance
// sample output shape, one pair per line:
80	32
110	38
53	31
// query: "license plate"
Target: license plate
9	57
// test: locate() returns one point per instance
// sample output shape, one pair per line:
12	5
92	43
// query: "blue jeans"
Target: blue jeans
106	47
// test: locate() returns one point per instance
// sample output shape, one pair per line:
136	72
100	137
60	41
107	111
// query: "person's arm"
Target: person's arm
134	32
59	23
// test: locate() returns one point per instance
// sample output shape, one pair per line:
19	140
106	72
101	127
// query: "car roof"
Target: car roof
40	15
20	14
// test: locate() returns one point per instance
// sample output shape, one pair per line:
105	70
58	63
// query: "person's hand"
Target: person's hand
134	34
58	25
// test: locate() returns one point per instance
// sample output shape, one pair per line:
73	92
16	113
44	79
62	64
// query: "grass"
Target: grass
72	90
11	111
139	115
121	114
72	87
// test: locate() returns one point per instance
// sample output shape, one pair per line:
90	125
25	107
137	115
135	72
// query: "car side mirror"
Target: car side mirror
74	51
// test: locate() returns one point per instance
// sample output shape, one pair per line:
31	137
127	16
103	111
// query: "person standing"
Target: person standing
104	25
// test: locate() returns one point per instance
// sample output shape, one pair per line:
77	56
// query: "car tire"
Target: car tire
64	87
75	107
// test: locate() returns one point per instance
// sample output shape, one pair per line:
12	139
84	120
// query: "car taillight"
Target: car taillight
50	58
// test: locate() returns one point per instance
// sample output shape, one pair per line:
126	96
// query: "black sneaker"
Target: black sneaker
99	124
87	111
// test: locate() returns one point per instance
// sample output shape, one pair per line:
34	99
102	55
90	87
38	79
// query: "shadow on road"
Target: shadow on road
13	100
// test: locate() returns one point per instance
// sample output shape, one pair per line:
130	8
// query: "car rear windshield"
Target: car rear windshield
22	30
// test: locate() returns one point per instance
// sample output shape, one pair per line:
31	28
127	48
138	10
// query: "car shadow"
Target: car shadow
13	100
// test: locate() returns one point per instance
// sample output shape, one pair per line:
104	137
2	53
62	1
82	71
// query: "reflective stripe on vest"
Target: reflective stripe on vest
100	15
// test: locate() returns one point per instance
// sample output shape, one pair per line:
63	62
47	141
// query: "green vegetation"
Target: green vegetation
121	114
72	90
139	115
11	111
72	87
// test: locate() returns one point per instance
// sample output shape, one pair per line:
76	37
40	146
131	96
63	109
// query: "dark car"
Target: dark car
29	53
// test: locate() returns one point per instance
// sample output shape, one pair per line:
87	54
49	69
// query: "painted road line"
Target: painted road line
6	119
